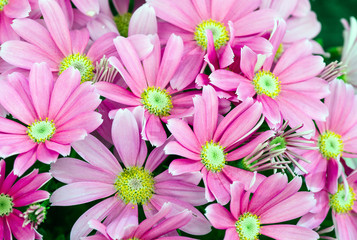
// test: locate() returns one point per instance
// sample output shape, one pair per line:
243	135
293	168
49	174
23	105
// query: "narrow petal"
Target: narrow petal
143	21
88	7
46	155
225	80
154	131
70	136
24	161
15	223
179	166
255	22
288	232
174	148
236	190
219	216
31	198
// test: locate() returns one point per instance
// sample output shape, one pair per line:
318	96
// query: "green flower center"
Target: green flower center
277	140
344	78
3	3
341	202
34	215
248	226
219	32
135	185
213	156
6	205
266	83
80	62
157	101
40	131
122	23
330	144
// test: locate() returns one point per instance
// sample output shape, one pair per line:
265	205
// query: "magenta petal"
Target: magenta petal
24	161
94	152
332	173
37	196
289	208
15	223
98	212
57	25
291	232
41	85
81	192
219	216
179	166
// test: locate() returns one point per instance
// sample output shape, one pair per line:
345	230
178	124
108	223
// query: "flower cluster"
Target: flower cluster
192	119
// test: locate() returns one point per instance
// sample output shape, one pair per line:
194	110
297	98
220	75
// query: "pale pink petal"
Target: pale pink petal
88	7
101	25
270	109
255	22
9	126
17	8
345	226
225	80
289	232
98	212
70	136
143	21
219	216
219	11
289	208
79	40
60	148
41	85
142	44
245	7
236	190
57	25
81	192
248	62
102	46
46	155
184	135
126	137
231	234
127	218
179	166
7	33
94	152
306	27
154	131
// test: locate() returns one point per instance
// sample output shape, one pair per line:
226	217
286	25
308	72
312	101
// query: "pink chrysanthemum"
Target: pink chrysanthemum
53	115
209	26
213	143
20	194
274	201
154	227
343	203
56	45
337	137
148	80
102	176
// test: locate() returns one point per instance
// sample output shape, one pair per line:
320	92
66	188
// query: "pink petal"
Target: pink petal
41	85
102	46
24	161
70	136
142	44
127	218
243	176
154	131
88	7
60	148
94	152
316	179
332	173
143	21
46	155
79	39
15	223
289	232
11	144
255	22
156	157
218	184
88	121
31	198
9	126
17	9
231	234
270	109
225	80
174	148
307	27
179	166
57	25
219	216
248	62
236	190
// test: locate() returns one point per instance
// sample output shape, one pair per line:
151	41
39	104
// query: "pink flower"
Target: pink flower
148	80
337	137
16	195
274	201
289	90
212	144
56	45
124	189
344	209
155	226
209	25
52	115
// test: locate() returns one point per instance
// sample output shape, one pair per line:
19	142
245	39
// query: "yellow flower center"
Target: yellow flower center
219	32
266	83
342	201
213	156
157	101
330	144
80	62
41	130
248	226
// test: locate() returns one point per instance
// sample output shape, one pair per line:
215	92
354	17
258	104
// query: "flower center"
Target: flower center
40	131
248	226
157	101
80	62
219	32
278	140
330	144
135	185
34	215
122	22
6	205
266	83
213	156
2	4
342	202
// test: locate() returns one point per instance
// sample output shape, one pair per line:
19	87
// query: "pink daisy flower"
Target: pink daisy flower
52	115
274	201
101	176
213	143
148	80
337	137
154	227
344	209
16	195
209	25
289	90
55	44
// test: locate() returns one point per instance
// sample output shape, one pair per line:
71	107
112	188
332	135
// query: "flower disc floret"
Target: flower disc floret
122	23
135	185
3	3
80	62
266	83
330	144
219	32
342	201
157	101
41	130
6	204
248	226
278	140
213	156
